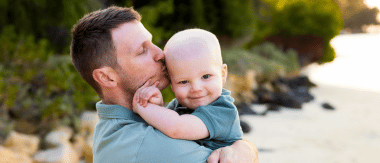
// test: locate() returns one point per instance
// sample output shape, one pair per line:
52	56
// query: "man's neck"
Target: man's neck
123	101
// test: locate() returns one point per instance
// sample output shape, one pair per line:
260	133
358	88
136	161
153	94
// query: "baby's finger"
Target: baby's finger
147	84
156	83
138	94
145	96
142	96
135	96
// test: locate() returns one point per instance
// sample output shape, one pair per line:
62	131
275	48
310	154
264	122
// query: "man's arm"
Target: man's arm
241	151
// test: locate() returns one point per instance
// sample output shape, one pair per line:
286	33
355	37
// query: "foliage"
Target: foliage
37	85
163	18
269	61
44	18
299	17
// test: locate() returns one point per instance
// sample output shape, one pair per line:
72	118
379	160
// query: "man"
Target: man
114	53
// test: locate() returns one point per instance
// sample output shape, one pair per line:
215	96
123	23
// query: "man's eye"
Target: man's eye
183	82
144	50
206	76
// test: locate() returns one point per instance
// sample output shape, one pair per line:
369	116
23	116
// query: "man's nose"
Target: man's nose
158	54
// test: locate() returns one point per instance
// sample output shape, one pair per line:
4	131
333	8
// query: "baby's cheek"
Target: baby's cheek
179	93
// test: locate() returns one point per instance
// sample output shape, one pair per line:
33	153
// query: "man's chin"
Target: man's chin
163	86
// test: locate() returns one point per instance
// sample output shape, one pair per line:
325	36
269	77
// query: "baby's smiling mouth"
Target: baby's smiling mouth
197	97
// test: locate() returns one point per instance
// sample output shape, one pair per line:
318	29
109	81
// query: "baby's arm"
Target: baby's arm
169	122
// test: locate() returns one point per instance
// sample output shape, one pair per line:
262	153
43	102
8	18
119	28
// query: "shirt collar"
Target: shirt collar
116	111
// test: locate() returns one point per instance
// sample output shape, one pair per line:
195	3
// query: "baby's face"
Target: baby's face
196	80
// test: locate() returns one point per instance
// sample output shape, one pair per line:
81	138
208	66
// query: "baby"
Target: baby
202	111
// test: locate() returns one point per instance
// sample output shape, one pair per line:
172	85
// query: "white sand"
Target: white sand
349	134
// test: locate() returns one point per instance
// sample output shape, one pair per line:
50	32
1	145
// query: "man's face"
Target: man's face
138	58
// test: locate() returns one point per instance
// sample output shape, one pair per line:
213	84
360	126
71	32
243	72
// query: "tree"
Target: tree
280	18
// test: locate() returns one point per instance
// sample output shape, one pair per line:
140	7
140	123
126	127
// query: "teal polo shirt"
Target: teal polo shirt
122	136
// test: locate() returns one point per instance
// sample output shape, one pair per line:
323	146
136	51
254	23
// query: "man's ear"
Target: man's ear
105	76
224	73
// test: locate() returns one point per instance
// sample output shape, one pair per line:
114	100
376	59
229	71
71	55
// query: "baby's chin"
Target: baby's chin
195	106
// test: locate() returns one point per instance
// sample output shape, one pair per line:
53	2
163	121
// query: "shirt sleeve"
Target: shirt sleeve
221	118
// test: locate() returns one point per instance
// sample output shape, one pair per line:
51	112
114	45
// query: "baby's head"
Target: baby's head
194	61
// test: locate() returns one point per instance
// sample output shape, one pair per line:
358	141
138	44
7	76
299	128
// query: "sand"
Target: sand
348	134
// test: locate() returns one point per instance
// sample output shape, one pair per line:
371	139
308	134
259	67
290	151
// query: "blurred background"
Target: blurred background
304	74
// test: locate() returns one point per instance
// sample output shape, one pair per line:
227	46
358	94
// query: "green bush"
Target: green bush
46	19
321	18
39	85
268	61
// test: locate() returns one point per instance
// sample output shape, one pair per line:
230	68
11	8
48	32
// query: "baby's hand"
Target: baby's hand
148	93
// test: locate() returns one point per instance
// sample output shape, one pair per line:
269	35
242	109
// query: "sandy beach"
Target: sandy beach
348	134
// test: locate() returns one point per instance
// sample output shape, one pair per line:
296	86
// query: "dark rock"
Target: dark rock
302	94
263	95
298	87
327	106
287	100
243	108
297	81
273	107
245	127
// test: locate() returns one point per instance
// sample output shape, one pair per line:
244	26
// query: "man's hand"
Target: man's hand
147	93
241	151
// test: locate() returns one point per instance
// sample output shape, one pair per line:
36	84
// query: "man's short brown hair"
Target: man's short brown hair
92	45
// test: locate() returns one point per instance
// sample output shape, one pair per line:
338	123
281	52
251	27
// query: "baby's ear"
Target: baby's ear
224	73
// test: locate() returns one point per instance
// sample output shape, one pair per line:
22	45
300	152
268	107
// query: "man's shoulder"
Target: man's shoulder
116	138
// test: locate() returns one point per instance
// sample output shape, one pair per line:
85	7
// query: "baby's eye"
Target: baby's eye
183	82
206	76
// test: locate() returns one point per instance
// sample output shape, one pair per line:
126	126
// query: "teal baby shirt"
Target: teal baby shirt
221	118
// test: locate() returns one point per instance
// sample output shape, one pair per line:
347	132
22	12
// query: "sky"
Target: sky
373	3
